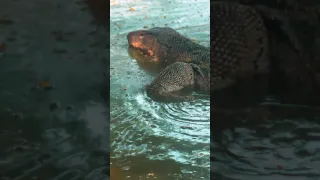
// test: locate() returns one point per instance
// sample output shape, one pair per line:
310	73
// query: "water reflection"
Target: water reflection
151	139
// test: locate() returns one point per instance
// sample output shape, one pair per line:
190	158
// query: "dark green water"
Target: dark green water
283	143
52	41
169	140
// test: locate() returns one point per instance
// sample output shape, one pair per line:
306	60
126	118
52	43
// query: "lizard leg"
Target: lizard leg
168	86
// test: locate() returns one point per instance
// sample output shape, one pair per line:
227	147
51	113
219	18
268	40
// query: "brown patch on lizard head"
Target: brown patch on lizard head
144	41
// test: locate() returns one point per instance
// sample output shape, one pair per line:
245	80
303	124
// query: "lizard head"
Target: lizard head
154	42
144	41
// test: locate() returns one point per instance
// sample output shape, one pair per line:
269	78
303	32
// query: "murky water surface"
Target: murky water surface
150	139
273	141
53	122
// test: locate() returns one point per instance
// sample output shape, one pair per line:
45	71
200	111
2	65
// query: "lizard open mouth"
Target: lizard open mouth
142	41
145	50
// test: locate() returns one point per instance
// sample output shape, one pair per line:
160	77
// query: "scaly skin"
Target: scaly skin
167	46
178	76
239	44
298	22
293	28
186	64
239	49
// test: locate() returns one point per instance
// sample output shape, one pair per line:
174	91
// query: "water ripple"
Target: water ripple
286	145
183	121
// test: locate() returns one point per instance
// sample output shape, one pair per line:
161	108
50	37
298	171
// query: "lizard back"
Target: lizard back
239	43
